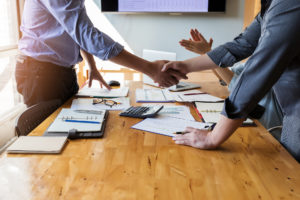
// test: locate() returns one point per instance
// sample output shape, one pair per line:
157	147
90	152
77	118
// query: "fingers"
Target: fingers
199	35
183	139
177	74
211	42
102	82
194	35
168	66
90	81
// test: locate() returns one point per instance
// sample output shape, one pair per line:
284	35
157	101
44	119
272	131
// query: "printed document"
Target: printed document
101	92
165	125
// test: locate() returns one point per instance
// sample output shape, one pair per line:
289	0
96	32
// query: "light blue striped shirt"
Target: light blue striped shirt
55	31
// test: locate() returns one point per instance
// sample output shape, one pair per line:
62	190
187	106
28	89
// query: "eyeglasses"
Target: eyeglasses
107	102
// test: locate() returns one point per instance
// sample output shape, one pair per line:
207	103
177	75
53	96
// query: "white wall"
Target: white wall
163	31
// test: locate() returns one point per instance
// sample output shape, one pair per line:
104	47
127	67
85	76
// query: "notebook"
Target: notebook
211	112
38	144
82	123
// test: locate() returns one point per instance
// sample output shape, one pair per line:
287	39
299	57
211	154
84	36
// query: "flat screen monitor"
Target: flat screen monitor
161	6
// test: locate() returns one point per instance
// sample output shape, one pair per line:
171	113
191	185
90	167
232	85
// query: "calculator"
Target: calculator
141	111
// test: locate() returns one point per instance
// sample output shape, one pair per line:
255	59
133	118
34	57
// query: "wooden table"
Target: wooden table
131	164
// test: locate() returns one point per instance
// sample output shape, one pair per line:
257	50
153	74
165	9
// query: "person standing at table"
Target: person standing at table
272	117
53	35
272	42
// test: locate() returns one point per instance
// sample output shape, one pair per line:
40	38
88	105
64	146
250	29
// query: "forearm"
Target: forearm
224	73
89	58
223	130
200	63
134	62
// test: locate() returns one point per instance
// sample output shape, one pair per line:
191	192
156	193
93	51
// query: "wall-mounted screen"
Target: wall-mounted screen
161	6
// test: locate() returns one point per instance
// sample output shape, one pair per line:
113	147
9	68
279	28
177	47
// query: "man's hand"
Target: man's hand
165	78
95	75
196	138
198	44
178	66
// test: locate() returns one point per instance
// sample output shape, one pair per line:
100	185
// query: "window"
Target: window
9	35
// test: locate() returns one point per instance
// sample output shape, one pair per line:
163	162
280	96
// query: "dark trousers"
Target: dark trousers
42	81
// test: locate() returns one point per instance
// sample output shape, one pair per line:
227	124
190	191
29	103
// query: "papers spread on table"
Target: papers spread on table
101	92
195	95
211	112
165	96
87	104
153	95
165	125
37	144
181	112
80	120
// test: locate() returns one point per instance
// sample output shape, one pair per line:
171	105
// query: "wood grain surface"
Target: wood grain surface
132	164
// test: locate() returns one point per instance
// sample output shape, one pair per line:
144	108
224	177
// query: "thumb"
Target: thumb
211	42
90	81
166	66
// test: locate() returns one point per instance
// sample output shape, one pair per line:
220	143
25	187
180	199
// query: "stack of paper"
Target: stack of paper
101	92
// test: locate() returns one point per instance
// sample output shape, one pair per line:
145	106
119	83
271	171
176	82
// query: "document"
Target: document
153	96
181	112
168	126
87	104
81	120
211	112
101	92
195	95
37	144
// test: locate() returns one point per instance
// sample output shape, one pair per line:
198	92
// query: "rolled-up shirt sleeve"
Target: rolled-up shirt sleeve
73	17
278	46
240	48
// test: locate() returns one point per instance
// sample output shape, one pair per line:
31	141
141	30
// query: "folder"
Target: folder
38	144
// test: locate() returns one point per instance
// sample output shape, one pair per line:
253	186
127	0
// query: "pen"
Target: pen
198	113
208	128
180	132
82	121
194	93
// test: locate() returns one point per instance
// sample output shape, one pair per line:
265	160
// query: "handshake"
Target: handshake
166	73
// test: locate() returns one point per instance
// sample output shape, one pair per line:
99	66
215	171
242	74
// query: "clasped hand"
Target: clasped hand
165	78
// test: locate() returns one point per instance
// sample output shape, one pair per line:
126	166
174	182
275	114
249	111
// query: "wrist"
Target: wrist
212	142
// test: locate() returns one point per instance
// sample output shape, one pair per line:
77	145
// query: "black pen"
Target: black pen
180	132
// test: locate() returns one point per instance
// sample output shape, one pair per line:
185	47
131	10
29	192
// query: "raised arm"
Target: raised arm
198	44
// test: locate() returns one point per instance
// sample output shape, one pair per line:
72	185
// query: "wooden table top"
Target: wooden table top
132	164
